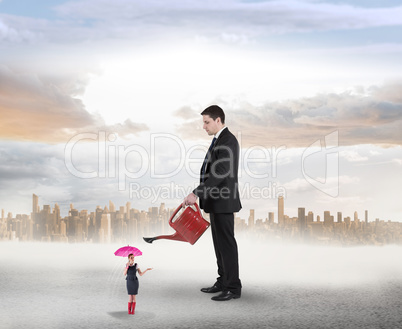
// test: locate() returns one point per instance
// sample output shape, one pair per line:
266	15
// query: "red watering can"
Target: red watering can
189	226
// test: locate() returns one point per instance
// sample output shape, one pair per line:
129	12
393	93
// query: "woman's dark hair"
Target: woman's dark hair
130	255
214	111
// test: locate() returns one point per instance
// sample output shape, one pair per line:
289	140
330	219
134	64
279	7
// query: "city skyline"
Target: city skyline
280	209
107	224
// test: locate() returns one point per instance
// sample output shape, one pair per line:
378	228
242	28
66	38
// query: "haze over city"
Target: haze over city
112	224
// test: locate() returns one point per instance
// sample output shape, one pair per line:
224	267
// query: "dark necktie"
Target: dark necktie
204	165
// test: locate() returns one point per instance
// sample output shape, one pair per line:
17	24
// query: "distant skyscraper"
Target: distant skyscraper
63	228
161	208
154	212
56	211
35	201
112	208
105	228
281	210
339	215
47	209
310	217
271	217
98	217
251	219
302	219
366	216
56	218
356	217
328	219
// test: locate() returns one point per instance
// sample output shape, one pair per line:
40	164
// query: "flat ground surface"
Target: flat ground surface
284	286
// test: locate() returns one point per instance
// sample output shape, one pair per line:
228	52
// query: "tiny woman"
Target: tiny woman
132	282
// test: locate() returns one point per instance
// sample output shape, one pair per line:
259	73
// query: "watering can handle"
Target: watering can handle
178	209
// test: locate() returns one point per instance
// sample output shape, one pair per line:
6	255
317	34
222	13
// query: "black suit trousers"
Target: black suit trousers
222	227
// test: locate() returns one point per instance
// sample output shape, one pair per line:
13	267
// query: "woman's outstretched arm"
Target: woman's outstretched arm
142	273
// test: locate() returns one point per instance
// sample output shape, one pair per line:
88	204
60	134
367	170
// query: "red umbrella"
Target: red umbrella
127	250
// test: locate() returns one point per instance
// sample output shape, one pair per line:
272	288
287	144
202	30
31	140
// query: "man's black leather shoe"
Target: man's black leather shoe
212	289
226	295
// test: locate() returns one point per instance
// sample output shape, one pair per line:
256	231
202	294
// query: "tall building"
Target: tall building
56	211
271	217
162	208
56	219
251	219
366	216
122	212
98	217
328	219
310	217
35	207
105	229
302	219
154	211
84	219
281	210
112	208
339	215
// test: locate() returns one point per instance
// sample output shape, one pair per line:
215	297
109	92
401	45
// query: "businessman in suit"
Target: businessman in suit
218	195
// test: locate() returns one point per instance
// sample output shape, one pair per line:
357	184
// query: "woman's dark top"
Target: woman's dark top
132	280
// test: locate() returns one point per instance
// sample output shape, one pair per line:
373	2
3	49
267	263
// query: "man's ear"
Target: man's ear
218	120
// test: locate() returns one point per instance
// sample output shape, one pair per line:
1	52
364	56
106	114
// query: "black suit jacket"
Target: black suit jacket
219	193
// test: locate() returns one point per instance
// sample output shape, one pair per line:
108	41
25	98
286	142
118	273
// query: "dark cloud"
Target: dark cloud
42	109
372	116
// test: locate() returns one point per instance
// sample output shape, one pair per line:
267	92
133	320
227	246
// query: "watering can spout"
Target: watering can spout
175	236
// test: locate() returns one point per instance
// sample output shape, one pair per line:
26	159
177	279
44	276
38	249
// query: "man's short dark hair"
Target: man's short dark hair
214	111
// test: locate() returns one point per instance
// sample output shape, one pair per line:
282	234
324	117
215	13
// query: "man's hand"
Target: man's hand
189	200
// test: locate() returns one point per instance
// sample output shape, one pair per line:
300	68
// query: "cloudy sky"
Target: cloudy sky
100	100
